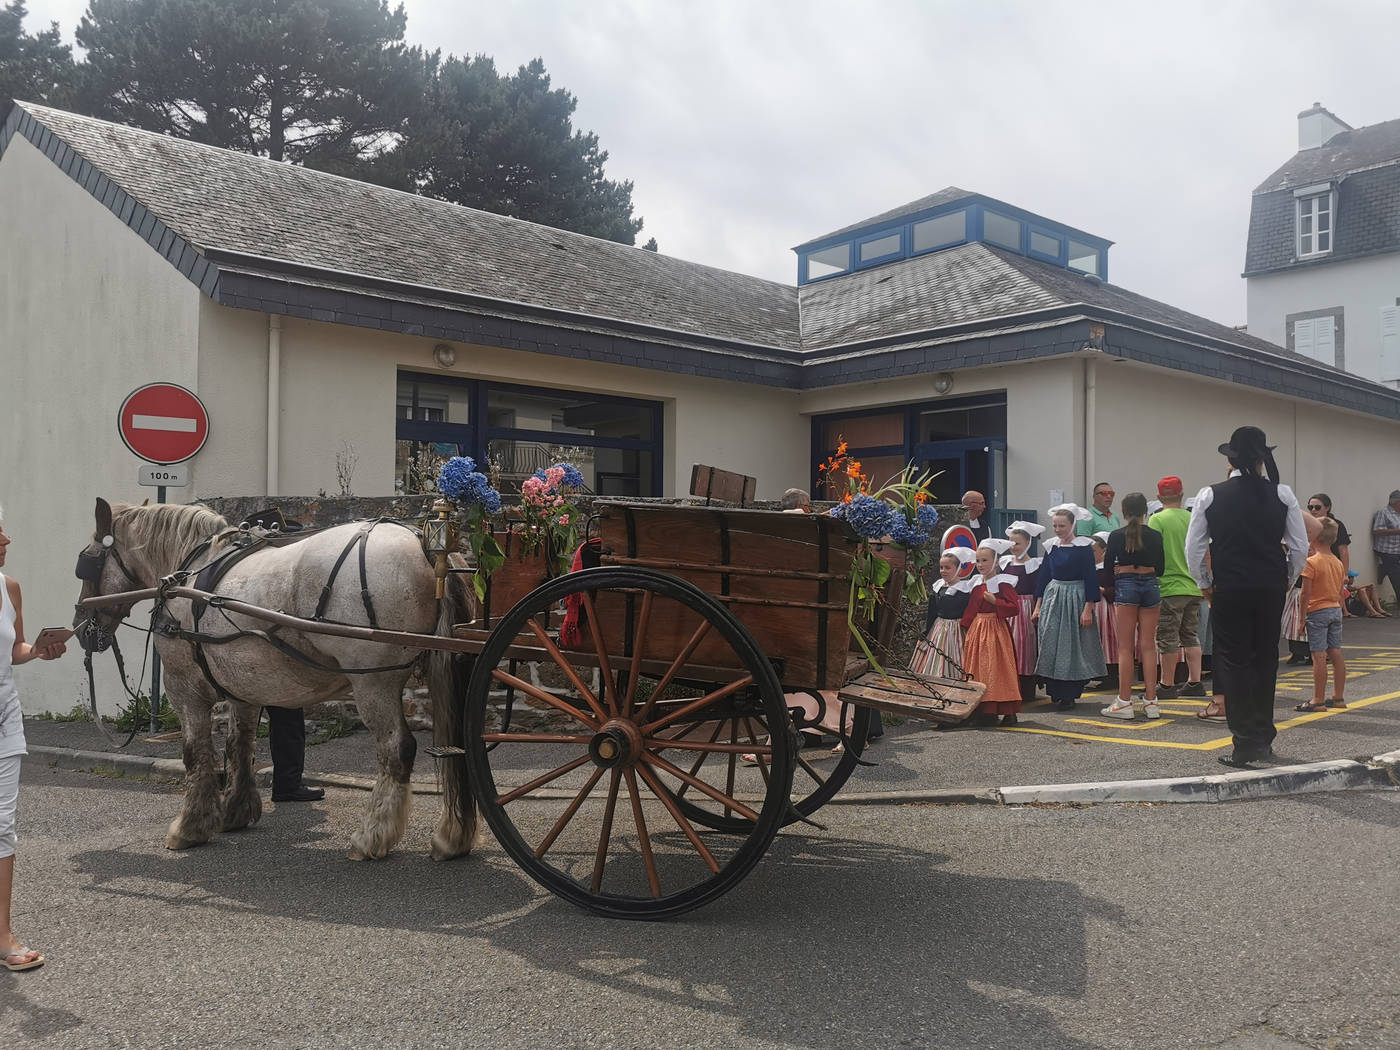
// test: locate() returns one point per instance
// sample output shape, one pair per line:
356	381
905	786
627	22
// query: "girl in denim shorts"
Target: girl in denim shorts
1135	558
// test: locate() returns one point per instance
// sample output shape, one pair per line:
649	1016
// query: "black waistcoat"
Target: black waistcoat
1246	521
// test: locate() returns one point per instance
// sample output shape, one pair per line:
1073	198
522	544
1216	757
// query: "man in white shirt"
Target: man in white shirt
1245	523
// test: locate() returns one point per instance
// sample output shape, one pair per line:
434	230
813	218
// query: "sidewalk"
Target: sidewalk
917	762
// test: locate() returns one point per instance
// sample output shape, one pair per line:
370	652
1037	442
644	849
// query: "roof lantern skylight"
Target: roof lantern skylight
944	220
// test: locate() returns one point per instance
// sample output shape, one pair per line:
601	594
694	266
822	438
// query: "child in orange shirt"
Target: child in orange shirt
1323	578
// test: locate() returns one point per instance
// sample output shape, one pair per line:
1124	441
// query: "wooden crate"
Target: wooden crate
785	577
944	700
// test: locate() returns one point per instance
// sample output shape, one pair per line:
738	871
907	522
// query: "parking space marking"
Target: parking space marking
1208	745
1155	723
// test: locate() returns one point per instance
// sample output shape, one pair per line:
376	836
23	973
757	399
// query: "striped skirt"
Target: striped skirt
940	654
1068	652
990	659
1023	635
1295	624
1108	630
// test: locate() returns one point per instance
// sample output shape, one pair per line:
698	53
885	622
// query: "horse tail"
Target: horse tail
448	674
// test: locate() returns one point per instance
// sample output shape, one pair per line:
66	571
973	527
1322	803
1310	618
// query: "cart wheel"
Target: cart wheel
582	792
815	780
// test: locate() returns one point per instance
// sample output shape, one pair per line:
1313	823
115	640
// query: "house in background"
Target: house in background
1323	258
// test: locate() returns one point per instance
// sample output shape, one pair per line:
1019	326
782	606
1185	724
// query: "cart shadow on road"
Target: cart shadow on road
828	938
19	1014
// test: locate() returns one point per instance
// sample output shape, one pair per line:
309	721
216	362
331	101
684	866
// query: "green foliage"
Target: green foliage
332	85
326	83
137	715
327	729
506	144
33	67
79	713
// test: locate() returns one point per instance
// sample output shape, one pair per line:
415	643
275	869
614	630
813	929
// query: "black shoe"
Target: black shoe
1169	692
301	793
1243	760
1298	661
1193	689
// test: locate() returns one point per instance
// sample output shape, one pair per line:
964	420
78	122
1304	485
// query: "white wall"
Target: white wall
1360	286
1152	422
88	312
338	385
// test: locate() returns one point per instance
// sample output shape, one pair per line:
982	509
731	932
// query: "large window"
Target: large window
1314	225
512	431
887	440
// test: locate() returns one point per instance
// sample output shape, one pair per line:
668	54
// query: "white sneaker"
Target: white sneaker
1149	709
1118	709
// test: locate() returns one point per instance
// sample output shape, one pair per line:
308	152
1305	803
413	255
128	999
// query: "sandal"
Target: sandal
1337	702
25	962
1311	707
1211	713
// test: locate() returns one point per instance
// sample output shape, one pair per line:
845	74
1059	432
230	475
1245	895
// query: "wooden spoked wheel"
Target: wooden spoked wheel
815	779
584	794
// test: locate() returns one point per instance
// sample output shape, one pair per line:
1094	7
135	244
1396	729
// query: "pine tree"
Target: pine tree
37	68
321	82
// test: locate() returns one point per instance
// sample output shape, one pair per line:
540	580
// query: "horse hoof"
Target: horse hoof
174	842
439	850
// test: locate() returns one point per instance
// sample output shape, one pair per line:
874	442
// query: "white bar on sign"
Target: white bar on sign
180	424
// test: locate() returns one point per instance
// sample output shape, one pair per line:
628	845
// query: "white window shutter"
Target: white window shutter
1303	340
1390	343
1325	340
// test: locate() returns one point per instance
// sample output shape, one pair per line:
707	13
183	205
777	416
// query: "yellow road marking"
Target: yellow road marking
1154	723
1209	745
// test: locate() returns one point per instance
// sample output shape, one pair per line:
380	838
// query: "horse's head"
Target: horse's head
102	570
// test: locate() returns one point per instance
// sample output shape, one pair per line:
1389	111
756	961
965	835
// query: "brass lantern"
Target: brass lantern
439	537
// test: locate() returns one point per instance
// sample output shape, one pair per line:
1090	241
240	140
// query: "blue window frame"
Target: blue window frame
511	430
1045	244
880	247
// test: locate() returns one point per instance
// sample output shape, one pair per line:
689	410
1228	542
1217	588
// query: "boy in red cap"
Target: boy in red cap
1181	598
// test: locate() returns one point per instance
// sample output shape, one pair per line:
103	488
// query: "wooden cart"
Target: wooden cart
631	728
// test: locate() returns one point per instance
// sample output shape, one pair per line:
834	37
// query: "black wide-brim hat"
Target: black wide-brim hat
1247	443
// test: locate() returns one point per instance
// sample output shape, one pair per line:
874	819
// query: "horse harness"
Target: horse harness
243	544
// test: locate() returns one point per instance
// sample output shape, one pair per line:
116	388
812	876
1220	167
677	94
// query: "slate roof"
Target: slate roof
220	200
1364	164
947	195
1344	153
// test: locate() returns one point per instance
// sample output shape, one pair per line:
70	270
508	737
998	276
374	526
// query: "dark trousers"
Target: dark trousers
1245	625
1389	570
286	739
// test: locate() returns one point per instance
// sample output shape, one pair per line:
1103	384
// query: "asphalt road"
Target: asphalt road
1261	925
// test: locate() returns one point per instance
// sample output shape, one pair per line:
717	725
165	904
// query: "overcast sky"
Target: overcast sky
750	126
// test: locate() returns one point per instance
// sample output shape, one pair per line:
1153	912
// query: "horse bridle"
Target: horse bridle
93	636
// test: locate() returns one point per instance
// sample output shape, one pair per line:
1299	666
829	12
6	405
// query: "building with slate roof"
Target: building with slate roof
312	313
1323	257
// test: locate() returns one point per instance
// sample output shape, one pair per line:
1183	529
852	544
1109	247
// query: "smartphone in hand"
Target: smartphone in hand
51	636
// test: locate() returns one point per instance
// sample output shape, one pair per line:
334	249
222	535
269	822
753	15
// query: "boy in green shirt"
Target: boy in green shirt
1181	598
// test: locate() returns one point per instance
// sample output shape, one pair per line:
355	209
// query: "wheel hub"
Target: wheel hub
618	743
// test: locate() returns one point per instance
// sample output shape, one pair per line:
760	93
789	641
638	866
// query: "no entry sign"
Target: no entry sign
163	423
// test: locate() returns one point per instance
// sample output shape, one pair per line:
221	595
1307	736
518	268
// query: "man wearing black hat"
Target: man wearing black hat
1245	523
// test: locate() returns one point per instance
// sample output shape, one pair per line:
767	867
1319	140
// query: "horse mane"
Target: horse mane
166	532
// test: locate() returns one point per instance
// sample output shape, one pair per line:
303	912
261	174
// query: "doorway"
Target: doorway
965	463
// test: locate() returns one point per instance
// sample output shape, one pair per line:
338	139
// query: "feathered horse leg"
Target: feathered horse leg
379	698
202	813
242	803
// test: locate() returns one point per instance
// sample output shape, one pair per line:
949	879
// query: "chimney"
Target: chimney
1318	126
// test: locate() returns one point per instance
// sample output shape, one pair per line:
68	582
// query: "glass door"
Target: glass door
969	463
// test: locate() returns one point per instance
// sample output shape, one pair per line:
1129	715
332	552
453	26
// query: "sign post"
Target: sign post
164	424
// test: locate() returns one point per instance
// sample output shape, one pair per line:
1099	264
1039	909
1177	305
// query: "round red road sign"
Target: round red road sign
163	423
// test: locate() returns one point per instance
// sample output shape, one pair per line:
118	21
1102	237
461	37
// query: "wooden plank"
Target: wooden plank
944	700
712	483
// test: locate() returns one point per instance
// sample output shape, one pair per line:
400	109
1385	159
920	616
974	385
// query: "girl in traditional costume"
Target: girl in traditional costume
1022	568
940	652
988	652
1067	589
